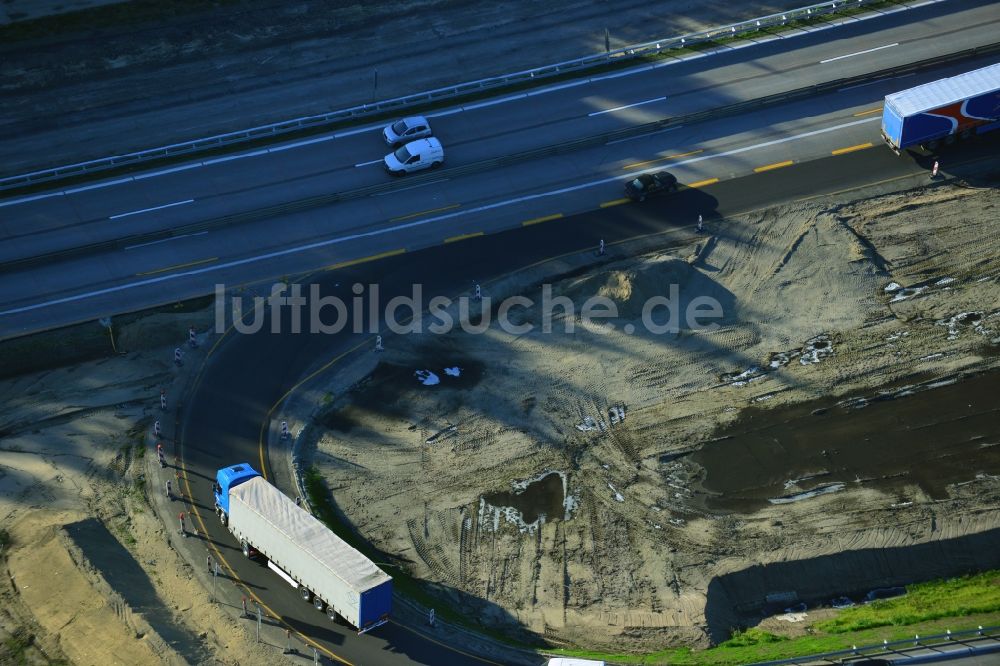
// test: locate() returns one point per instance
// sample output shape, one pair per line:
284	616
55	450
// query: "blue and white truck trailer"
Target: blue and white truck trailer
959	107
329	573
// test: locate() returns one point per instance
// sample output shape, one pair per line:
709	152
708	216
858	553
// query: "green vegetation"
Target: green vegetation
771	647
324	508
956	604
16	646
619	63
956	597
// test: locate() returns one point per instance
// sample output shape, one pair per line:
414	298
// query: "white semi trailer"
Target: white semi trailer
330	574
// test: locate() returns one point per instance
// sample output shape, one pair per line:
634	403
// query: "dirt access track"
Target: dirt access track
91	574
145	73
836	433
841	321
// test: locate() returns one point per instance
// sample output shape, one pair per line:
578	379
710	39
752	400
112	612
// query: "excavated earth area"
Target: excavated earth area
89	572
619	489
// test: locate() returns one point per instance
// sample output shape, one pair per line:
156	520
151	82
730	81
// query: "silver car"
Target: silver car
406	130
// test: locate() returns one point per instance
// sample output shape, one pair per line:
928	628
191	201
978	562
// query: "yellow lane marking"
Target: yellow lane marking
455	239
868	112
923	174
261	445
539	220
219	557
615	202
445	645
179	266
424	212
851	149
703	183
364	260
662	159
776	165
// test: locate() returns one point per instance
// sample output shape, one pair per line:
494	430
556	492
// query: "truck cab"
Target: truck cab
226	478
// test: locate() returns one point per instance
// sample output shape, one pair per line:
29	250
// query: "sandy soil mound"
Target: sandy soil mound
73	443
65	603
819	302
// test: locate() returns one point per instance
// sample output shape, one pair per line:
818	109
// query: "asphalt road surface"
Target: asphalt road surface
409	217
112	89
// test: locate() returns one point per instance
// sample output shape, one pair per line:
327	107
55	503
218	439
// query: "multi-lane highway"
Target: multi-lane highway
501	220
142	273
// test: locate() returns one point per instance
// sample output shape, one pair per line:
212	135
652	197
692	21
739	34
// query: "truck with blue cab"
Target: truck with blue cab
333	576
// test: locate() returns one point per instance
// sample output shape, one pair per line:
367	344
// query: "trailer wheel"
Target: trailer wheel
307	595
245	547
319	604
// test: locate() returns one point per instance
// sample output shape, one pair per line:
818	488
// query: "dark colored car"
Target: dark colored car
641	187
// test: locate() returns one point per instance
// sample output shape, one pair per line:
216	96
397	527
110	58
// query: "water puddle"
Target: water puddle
532	502
931	435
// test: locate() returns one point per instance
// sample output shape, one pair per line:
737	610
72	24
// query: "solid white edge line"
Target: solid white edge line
627	106
561	86
36	197
643	136
413	187
851	55
675	60
97	186
357	130
149	210
618	75
441	114
492	102
297	144
163	172
230	158
398	227
165	240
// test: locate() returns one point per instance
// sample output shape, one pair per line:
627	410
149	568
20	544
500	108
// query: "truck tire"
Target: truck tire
307	595
245	547
319	604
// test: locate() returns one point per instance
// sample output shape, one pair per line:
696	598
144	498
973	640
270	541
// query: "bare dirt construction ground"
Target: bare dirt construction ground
75	488
498	465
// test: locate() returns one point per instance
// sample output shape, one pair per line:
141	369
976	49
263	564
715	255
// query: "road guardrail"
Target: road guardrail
938	647
318	201
405	102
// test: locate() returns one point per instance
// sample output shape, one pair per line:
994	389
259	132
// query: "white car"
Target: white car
415	156
406	129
